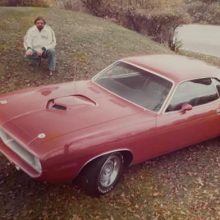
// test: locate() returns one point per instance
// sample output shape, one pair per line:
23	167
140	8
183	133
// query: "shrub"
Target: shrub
204	11
68	4
41	3
156	18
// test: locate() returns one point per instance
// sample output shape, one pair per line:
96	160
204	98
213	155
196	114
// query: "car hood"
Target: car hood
48	112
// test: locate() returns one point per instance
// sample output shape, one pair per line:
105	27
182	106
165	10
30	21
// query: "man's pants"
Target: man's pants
50	54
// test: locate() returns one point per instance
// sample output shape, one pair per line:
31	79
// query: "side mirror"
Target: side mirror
186	107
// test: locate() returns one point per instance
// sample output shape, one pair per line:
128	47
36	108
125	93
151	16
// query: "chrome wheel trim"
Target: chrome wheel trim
110	171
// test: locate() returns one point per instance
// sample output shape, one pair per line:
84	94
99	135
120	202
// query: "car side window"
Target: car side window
194	92
217	83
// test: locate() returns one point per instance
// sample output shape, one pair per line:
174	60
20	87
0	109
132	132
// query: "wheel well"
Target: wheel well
93	178
127	157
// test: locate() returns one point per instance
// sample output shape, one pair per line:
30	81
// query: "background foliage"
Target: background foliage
204	11
155	18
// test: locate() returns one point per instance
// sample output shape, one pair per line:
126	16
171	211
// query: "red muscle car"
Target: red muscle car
135	109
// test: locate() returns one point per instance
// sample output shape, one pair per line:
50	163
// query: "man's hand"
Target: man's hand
29	52
39	52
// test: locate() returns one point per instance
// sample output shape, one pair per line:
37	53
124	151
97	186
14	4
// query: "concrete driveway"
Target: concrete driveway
203	39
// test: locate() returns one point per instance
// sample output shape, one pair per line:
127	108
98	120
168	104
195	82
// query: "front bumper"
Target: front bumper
19	156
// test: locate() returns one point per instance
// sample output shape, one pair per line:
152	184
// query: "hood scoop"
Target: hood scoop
68	102
59	107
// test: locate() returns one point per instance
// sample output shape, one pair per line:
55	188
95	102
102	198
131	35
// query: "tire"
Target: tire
101	175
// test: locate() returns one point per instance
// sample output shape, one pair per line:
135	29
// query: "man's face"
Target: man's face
40	24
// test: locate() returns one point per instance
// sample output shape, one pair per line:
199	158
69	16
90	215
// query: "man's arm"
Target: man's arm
27	40
52	44
27	43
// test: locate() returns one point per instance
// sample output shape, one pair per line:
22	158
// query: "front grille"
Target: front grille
17	148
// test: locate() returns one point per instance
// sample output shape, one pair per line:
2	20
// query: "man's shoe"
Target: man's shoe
50	73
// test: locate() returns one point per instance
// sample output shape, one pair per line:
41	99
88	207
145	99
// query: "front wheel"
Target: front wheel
101	175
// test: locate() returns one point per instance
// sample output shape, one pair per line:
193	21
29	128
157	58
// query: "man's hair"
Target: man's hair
39	18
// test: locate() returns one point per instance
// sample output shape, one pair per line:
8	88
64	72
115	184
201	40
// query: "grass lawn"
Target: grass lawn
181	185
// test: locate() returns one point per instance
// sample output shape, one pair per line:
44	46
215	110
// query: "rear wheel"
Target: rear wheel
101	175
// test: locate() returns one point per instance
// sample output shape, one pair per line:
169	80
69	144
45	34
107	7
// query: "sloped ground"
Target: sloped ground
85	45
181	185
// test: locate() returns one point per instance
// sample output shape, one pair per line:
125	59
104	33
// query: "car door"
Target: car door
178	127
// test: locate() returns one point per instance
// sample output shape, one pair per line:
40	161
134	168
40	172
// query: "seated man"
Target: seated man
40	41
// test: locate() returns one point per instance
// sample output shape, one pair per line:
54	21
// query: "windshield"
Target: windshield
136	85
